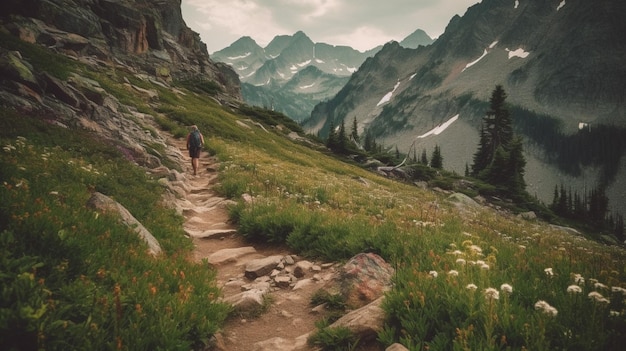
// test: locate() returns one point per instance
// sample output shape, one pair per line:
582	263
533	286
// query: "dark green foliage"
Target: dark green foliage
355	131
499	159
436	160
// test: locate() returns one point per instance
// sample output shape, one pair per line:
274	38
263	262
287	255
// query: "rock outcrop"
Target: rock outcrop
149	36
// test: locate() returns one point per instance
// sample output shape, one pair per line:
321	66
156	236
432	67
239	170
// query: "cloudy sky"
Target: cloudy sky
361	24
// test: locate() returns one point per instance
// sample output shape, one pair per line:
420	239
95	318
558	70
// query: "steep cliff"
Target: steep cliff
148	36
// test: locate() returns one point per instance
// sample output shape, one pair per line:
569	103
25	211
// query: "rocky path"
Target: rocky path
287	314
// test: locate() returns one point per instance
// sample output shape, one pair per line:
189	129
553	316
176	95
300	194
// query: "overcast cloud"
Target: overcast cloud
361	24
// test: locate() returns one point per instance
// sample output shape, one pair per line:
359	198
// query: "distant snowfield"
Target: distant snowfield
306	86
440	128
561	5
388	96
240	57
518	53
475	61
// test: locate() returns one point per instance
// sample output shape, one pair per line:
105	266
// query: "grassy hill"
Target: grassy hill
467	278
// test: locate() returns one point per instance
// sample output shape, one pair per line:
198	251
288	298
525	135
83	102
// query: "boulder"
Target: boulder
364	278
365	322
104	204
262	266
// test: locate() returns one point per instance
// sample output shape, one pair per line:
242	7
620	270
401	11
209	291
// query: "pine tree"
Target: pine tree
482	157
331	141
424	158
342	138
496	131
436	160
515	167
355	130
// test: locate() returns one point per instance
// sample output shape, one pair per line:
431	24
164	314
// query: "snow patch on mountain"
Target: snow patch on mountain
233	58
475	61
518	53
516	4
561	5
440	128
388	96
306	86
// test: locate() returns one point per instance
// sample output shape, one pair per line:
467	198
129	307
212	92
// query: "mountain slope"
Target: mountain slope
560	60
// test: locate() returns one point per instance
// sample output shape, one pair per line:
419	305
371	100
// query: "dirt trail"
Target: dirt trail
289	315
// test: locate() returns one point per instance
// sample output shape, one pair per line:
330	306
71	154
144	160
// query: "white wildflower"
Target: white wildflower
460	261
453	273
546	308
506	288
472	287
484	267
574	289
600	286
597	297
549	272
578	279
618	289
434	274
492	294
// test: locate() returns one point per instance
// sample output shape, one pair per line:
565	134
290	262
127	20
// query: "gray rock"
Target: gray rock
229	255
103	203
261	266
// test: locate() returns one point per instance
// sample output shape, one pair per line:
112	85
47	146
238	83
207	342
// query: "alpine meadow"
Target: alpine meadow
86	108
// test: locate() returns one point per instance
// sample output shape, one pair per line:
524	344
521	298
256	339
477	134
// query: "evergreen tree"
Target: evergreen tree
467	170
499	159
496	131
331	142
424	158
369	144
342	138
355	131
482	157
436	161
515	168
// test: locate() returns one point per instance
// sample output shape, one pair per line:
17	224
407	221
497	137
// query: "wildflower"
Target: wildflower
549	272
480	262
506	288
476	249
453	273
597	297
600	286
546	308
618	289
460	261
492	294
522	247
574	289
578	279
434	274
457	252
614	313
484	267
471	287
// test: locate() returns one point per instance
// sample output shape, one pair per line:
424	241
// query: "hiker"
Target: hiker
195	141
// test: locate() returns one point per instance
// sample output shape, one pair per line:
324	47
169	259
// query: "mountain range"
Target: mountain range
561	63
292	73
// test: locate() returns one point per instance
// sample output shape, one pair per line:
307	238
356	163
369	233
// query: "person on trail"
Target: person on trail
195	141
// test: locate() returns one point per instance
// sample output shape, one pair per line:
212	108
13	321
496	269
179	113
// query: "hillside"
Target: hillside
467	275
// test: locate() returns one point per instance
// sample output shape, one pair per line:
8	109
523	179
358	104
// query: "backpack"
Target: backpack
194	140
